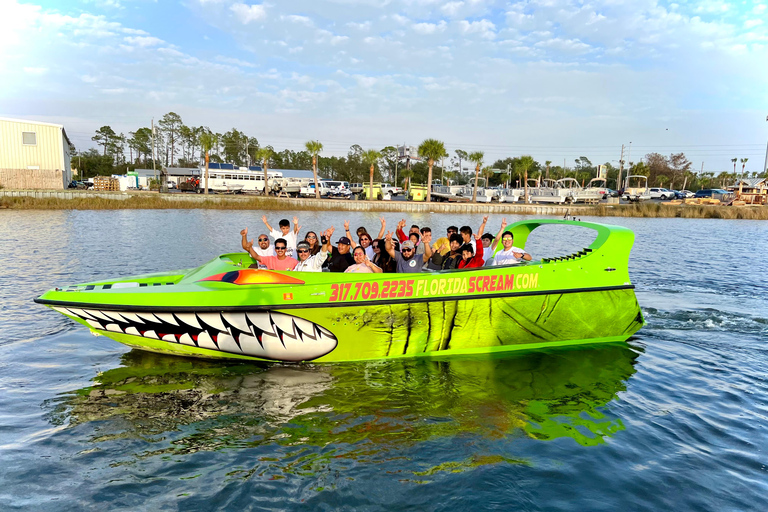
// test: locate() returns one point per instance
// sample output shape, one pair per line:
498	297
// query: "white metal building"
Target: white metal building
33	155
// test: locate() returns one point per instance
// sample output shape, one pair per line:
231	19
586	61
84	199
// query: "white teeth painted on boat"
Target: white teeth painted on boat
167	318
264	334
205	341
114	315
227	344
304	326
97	314
238	321
212	319
94	324
81	313
285	324
189	319
149	317
186	339
261	320
132	317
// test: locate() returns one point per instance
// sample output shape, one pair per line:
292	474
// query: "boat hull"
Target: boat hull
376	331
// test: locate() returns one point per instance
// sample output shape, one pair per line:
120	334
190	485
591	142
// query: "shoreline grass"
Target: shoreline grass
156	202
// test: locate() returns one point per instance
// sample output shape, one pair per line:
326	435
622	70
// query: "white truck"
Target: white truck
386	188
309	189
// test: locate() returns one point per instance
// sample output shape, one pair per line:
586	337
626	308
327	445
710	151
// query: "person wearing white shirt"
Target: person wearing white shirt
285	233
264	248
509	255
309	262
466	235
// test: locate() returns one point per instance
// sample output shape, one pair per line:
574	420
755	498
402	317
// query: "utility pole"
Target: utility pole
621	168
154	169
765	166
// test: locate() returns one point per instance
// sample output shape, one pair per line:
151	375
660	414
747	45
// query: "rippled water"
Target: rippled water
676	418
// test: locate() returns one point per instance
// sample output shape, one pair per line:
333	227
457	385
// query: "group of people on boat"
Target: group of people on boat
389	252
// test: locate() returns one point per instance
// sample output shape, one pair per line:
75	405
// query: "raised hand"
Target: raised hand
330	232
485	219
503	223
295	220
346	225
427	238
388	236
244	232
264	219
401	224
248	245
477	236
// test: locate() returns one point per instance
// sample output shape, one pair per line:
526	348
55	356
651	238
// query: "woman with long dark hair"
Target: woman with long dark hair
314	243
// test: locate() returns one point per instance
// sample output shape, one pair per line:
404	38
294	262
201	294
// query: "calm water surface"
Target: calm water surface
674	419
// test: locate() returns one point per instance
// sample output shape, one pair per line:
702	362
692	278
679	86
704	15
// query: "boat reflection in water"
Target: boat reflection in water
315	415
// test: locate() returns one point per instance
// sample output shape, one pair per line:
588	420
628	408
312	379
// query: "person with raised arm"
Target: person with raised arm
341	258
279	262
406	259
262	249
509	255
309	262
285	233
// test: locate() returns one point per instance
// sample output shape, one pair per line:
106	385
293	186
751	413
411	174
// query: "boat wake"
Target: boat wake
704	320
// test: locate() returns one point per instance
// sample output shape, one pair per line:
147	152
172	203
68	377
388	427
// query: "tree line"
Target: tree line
179	145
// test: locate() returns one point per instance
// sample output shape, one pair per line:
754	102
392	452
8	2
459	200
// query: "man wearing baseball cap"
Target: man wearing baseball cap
309	262
340	256
407	260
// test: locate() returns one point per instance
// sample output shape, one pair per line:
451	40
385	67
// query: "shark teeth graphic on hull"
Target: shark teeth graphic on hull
263	334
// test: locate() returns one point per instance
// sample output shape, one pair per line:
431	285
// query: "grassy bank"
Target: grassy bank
156	202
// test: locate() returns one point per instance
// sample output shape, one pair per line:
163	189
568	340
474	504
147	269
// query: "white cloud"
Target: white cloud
759	9
235	62
752	23
143	41
301	20
485	28
452	8
429	28
248	13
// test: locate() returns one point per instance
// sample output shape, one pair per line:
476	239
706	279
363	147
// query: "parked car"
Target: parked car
79	185
714	193
356	188
687	193
678	194
662	193
309	190
386	188
609	192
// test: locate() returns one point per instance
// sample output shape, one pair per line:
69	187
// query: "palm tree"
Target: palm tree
526	161
314	148
547	163
743	164
263	155
477	158
208	141
370	157
734	164
431	149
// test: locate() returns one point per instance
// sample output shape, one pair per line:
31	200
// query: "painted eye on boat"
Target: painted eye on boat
253	276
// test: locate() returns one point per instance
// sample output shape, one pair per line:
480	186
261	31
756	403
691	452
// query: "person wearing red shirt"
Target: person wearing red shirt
469	259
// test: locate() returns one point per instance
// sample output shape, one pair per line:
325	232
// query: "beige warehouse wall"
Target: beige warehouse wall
32	179
46	154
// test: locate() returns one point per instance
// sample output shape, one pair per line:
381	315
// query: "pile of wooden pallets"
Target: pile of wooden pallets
106	183
702	200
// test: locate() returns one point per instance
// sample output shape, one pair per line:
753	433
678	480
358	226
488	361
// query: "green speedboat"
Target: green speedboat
224	309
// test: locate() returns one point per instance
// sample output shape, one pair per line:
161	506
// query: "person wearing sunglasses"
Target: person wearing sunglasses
313	241
366	239
279	262
262	249
407	260
309	262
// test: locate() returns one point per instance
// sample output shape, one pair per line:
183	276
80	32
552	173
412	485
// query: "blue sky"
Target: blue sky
553	78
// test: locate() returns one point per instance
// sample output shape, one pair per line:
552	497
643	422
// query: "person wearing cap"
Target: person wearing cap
406	259
340	258
279	262
468	257
362	264
309	262
509	255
